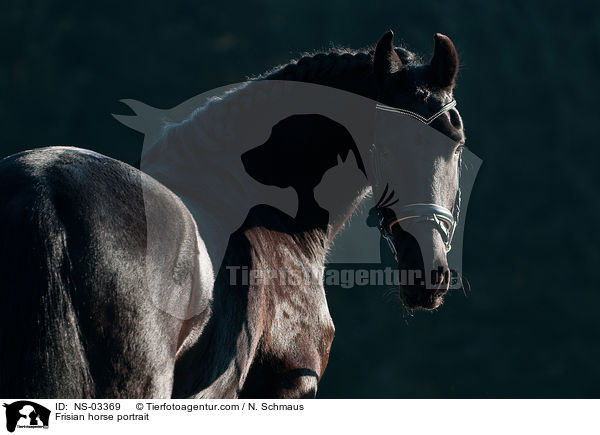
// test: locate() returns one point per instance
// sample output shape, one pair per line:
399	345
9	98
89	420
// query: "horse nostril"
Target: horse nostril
442	280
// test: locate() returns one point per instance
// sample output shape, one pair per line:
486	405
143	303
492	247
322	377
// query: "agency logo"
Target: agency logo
25	414
309	154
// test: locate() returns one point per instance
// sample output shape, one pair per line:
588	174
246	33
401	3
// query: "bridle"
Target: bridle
444	220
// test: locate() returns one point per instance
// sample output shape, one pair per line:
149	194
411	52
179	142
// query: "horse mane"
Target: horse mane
317	67
313	66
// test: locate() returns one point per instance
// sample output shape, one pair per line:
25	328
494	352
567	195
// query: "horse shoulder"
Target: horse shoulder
297	329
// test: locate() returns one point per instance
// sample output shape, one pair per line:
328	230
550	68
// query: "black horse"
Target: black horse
77	318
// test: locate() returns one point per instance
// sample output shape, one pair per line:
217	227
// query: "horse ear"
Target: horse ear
444	63
386	60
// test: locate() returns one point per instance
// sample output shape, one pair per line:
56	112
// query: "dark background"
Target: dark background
527	92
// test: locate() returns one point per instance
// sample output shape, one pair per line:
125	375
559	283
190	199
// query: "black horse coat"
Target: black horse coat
76	319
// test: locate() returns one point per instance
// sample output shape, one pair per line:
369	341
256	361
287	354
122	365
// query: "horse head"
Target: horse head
416	162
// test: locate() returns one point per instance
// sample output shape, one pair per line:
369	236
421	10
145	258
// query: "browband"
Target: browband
421	118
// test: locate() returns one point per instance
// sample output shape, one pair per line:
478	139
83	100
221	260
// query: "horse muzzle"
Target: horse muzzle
420	245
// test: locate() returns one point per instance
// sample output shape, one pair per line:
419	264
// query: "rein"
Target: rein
444	220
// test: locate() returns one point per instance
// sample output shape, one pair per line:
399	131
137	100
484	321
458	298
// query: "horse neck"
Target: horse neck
225	366
351	73
199	159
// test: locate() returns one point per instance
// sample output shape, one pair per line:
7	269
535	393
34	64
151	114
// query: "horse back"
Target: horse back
78	316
